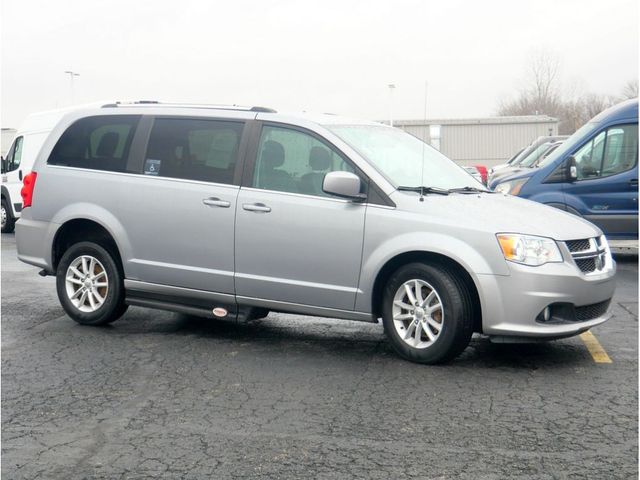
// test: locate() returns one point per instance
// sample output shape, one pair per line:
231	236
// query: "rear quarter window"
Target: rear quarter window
98	143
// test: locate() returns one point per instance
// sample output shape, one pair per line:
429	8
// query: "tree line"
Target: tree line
542	95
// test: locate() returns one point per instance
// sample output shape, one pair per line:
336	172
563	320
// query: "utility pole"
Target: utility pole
71	75
391	88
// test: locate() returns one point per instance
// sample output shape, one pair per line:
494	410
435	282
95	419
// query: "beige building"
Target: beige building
486	141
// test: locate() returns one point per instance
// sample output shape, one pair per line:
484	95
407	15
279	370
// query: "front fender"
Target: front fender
551	196
467	255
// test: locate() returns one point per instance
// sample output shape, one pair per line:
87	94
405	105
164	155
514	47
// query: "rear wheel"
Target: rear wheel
90	285
427	313
6	219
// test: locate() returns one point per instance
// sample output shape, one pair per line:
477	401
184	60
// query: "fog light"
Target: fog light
546	314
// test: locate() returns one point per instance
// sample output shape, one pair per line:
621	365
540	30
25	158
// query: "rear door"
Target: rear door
295	243
12	176
606	191
180	210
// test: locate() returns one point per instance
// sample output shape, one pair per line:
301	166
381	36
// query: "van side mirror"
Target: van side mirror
344	185
572	169
4	166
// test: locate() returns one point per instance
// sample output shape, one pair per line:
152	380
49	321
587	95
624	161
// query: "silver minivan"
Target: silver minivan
232	212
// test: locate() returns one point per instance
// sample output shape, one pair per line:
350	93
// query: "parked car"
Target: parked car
19	161
522	154
593	174
230	212
552	149
483	173
529	161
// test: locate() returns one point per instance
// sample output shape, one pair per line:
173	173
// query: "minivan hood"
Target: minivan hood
496	213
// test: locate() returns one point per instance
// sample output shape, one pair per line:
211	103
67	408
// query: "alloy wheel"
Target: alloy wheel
418	313
87	283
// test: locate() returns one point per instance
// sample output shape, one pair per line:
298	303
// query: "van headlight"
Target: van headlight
512	188
529	249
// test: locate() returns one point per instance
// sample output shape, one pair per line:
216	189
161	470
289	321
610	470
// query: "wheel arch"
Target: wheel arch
83	229
430	258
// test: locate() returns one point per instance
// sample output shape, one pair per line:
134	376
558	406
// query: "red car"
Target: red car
483	172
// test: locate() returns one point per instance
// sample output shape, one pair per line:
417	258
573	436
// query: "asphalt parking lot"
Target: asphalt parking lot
165	395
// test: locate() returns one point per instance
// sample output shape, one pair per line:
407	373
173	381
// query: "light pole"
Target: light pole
391	88
71	75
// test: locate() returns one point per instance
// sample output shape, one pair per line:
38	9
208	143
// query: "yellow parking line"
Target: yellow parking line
595	349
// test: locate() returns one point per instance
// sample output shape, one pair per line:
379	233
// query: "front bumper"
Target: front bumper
511	304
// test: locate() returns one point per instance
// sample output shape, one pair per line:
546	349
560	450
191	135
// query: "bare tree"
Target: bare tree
630	89
544	70
576	112
541	94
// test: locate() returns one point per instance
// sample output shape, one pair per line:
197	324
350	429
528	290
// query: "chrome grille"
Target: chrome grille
589	254
578	245
587	265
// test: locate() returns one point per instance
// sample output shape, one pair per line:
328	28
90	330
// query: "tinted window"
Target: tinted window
205	150
611	151
100	143
15	155
293	161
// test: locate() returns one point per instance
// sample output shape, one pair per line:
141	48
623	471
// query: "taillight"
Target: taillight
28	184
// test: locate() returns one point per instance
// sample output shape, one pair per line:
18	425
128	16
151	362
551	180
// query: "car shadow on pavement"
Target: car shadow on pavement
356	341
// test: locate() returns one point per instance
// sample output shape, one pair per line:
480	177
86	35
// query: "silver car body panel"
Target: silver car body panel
309	255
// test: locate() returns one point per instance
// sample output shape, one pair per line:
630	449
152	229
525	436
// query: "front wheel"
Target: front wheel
8	222
427	313
89	284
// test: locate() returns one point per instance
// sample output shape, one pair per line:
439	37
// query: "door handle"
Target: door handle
20	174
216	202
633	182
256	207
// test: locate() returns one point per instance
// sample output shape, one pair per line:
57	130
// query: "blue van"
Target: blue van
593	174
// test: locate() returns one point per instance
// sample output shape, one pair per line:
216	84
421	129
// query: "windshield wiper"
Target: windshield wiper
470	189
425	190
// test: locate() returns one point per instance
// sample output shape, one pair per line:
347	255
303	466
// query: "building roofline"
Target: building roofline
478	121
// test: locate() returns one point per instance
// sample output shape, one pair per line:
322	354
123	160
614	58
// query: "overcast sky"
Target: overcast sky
320	56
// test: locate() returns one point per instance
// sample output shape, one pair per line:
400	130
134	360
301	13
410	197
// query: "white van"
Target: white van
19	161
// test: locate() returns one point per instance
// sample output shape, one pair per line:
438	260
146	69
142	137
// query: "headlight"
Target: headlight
512	188
529	250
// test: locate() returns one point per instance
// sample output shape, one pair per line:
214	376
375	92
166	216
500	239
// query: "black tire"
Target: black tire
9	223
113	306
457	309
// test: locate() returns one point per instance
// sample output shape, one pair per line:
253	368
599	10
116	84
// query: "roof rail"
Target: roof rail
153	103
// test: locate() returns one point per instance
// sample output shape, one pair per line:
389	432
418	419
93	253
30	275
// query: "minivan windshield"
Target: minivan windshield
399	157
569	143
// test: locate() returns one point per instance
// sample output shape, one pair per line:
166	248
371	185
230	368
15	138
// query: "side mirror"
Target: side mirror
572	169
343	184
4	166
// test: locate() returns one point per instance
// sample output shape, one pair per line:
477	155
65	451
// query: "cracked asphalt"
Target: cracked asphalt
162	395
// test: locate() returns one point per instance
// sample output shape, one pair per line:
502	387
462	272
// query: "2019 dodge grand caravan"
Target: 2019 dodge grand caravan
233	212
